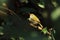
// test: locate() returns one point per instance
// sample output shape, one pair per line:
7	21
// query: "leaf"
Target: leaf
44	30
41	4
21	38
55	14
12	38
54	3
2	1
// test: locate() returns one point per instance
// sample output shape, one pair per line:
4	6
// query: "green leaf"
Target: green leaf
2	1
54	3
1	33
55	14
44	30
21	38
12	38
41	4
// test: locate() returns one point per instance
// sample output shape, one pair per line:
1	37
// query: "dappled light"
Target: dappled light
29	19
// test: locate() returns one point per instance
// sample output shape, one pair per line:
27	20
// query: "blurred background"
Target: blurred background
14	14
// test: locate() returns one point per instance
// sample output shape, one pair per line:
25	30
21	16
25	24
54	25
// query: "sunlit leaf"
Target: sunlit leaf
49	38
21	38
2	1
54	3
40	5
44	30
12	38
55	14
4	4
1	33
